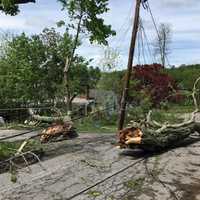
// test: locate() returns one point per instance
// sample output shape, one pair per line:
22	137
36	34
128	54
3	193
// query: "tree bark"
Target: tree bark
168	138
151	140
151	135
68	63
129	67
49	119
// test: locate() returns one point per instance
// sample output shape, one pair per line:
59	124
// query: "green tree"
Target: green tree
112	81
185	75
85	17
11	7
31	68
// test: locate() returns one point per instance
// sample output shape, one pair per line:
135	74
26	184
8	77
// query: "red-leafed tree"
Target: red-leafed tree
155	83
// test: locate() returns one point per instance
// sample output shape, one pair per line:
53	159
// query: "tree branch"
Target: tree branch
22	1
194	94
49	119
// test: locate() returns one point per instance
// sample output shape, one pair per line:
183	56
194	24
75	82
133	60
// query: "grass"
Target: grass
91	128
135	184
163	116
94	193
174	108
174	114
90	125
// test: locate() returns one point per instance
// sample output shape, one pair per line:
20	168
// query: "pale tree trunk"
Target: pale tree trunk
47	118
67	93
68	98
163	49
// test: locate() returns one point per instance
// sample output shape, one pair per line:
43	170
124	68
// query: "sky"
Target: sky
182	16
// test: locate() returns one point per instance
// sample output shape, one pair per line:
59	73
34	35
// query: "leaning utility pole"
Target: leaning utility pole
130	65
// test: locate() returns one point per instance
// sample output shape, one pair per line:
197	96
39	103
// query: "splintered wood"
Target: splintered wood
129	136
149	139
57	129
154	136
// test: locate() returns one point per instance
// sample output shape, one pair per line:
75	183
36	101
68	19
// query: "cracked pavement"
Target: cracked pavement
73	165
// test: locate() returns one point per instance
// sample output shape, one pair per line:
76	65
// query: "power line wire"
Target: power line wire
155	26
105	179
140	40
148	44
124	33
138	50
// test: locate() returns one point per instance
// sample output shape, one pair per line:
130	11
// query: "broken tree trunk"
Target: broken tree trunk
153	136
60	126
154	140
64	129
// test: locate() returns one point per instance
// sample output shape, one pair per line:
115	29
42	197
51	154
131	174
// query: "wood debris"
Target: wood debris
57	129
154	136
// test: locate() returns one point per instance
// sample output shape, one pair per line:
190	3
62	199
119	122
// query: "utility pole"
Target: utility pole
130	65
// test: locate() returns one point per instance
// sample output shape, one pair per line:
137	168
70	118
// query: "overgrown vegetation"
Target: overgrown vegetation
8	149
31	69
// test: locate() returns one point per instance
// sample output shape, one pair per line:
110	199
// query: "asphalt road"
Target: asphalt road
71	166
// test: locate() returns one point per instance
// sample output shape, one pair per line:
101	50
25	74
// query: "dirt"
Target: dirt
71	166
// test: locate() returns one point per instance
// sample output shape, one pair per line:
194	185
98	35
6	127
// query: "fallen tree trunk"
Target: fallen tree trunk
154	136
47	119
60	126
154	141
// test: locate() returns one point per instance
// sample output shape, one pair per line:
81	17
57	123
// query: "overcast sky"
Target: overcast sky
182	15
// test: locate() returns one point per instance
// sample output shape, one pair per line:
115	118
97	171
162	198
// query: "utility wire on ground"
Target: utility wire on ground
105	179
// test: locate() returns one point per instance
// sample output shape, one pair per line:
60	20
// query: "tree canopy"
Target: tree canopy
31	68
11	6
88	15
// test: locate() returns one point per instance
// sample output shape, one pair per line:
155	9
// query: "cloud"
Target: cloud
36	22
11	23
174	4
33	17
183	15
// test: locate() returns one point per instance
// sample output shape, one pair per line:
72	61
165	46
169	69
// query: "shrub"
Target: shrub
156	84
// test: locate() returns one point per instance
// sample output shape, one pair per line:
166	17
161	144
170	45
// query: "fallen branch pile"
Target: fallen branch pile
60	126
57	129
154	136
